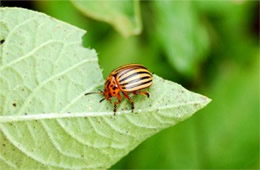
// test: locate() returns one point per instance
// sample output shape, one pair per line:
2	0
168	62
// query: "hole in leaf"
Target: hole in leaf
2	42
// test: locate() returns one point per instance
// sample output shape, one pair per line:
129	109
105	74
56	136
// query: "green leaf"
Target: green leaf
181	34
45	119
124	16
66	11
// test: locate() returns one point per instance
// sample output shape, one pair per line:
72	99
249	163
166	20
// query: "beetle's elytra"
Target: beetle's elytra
130	78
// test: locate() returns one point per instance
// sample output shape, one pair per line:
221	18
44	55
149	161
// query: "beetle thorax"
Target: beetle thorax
111	88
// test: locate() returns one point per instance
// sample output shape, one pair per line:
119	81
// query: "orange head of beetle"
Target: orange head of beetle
111	89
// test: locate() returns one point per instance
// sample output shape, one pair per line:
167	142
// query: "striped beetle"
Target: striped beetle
130	78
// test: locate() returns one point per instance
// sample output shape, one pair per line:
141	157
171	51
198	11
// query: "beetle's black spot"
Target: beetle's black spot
114	88
114	92
14	104
2	41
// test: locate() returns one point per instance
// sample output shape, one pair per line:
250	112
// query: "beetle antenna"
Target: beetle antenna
100	92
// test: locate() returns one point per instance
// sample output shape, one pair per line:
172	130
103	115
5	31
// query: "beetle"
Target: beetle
130	78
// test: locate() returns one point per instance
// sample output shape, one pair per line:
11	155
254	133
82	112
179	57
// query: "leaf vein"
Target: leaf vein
8	162
27	100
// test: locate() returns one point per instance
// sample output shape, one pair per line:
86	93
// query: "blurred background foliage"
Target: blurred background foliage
210	47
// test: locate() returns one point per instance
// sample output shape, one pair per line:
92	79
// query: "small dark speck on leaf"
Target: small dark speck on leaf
82	156
3	145
2	42
14	104
25	114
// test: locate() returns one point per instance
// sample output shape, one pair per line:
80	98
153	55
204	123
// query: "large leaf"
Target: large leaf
181	34
66	11
123	15
45	119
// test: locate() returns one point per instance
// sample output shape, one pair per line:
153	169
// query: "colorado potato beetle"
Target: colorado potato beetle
130	78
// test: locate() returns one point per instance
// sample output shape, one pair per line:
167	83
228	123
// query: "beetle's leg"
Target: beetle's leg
130	100
102	100
116	103
142	93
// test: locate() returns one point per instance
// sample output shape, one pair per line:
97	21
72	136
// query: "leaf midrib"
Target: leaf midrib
41	116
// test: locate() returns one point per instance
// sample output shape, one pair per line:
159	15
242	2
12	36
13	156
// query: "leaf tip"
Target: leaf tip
205	101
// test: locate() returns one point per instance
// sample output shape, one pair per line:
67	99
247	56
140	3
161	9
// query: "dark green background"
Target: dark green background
223	65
